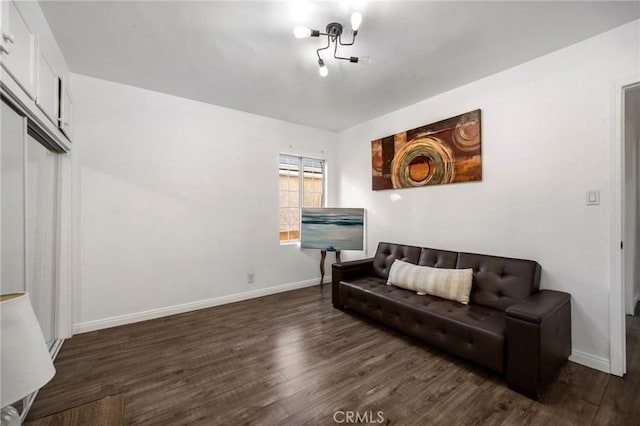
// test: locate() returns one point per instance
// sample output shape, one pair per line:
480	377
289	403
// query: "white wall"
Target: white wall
546	140
176	201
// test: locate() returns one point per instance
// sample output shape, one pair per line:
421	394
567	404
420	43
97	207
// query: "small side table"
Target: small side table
323	256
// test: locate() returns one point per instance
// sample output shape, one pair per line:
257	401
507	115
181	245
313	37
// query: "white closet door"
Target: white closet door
13	128
41	208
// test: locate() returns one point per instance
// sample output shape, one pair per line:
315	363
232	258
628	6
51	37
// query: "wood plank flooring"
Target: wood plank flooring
293	359
107	411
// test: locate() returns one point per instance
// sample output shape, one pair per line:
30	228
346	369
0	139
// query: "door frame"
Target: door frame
617	329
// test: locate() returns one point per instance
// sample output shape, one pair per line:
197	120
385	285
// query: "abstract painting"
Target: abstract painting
447	151
332	229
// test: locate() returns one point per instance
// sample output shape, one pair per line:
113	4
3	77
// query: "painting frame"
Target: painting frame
443	152
331	229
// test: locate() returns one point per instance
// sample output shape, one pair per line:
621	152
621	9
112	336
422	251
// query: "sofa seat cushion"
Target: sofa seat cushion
470	331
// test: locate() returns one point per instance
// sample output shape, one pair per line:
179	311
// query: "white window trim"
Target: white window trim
323	201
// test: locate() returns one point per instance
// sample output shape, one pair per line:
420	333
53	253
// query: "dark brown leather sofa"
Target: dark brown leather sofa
509	325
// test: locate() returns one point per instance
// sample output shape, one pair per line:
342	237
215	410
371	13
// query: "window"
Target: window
296	193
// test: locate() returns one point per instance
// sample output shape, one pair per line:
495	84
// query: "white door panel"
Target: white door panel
47	98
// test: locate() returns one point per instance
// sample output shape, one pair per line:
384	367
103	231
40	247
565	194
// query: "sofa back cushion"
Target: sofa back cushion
388	252
499	282
438	258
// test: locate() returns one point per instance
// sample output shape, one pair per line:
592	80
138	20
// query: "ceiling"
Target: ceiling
243	55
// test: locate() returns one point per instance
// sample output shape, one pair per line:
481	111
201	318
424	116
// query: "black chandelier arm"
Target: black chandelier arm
353	40
353	59
324	48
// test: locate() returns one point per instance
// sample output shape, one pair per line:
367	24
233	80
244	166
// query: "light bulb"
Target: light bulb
323	70
365	60
356	20
301	32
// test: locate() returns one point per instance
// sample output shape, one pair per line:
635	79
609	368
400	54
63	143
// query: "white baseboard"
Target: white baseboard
100	324
590	361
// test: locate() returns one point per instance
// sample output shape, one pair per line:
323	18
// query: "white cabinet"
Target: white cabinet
48	86
32	70
66	114
18	47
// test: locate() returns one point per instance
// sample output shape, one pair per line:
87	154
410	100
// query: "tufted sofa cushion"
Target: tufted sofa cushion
473	332
499	282
438	258
387	253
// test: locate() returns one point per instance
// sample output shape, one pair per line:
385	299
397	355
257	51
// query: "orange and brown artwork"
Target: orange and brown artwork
444	152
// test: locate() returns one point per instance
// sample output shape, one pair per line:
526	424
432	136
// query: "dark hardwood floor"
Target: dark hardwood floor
293	359
108	411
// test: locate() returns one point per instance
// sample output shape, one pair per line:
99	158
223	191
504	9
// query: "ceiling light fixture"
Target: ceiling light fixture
323	68
334	35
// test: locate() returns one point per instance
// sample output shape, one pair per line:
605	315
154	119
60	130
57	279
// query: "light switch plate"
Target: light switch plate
593	197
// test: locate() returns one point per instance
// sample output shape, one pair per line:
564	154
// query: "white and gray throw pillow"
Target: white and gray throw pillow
452	284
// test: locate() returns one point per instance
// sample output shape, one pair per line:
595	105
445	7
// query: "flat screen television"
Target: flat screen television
332	229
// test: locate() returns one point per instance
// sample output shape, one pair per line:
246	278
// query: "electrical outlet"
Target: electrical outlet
251	277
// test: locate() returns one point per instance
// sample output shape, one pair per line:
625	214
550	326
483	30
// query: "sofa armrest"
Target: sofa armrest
344	271
539	306
538	340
